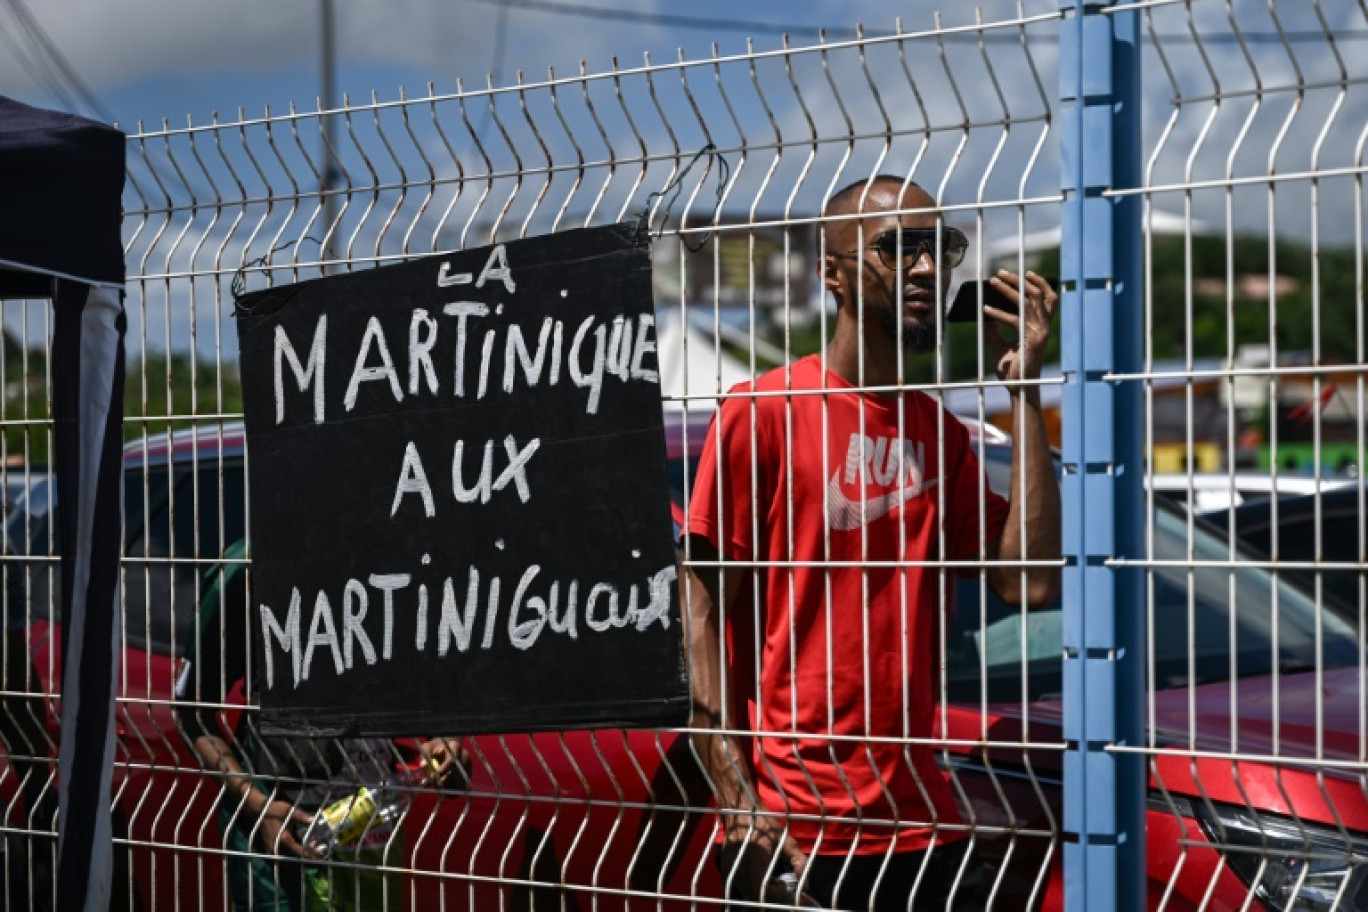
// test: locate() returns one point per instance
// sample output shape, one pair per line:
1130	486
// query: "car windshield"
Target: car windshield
1275	621
27	518
177	519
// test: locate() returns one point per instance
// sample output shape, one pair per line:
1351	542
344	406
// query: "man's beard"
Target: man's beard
916	337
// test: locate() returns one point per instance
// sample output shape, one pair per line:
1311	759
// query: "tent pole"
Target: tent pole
328	30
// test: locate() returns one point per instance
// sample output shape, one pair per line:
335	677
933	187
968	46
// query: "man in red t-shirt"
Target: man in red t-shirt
826	500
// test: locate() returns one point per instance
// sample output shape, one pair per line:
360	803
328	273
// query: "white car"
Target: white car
1205	491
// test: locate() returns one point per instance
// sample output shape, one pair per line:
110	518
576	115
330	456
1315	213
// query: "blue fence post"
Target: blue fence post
1101	335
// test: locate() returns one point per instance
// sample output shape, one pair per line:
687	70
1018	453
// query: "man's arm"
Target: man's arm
222	613
1039	506
723	758
217	756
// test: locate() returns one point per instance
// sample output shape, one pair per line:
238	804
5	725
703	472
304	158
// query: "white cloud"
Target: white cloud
122	43
114	44
117	43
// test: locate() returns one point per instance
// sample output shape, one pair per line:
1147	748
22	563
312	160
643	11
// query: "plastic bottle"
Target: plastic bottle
343	823
783	890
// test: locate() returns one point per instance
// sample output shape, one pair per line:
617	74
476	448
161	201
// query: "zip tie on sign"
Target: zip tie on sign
677	185
239	284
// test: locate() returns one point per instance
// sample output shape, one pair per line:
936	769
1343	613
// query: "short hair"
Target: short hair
847	198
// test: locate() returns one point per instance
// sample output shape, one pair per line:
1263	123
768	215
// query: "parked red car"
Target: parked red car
614	820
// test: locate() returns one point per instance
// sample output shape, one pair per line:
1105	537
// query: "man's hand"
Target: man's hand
441	756
748	848
277	820
1036	300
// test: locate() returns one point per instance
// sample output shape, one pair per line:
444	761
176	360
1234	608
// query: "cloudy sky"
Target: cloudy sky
154	59
1241	99
183	61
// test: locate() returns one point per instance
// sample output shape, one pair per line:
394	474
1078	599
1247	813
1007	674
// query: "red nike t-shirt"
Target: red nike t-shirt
828	492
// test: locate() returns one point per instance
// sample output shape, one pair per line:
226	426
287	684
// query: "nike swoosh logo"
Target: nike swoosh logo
845	515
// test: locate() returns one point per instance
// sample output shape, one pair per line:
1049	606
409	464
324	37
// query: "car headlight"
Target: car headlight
1290	865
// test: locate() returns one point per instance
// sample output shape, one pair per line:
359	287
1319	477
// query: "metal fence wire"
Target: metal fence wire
872	715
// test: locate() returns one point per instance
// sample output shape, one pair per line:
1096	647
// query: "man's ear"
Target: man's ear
831	279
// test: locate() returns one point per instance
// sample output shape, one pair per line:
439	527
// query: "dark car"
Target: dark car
184	499
1303	532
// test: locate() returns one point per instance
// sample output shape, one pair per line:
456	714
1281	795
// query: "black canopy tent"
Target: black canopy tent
61	181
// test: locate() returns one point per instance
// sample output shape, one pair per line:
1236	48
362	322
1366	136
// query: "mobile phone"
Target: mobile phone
964	307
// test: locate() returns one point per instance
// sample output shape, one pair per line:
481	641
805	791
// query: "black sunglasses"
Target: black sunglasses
901	248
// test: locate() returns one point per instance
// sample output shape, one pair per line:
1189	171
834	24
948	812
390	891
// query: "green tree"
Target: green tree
161	393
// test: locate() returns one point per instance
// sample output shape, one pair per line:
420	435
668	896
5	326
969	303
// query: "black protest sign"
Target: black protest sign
459	508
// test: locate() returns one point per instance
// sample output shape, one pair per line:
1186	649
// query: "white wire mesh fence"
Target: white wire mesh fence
1253	377
1253	383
